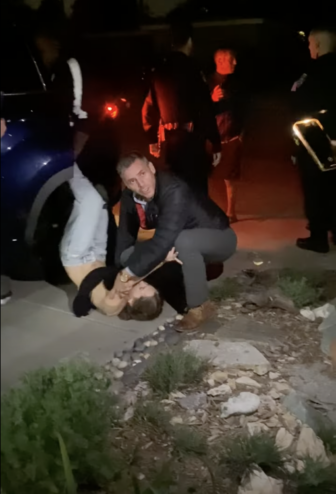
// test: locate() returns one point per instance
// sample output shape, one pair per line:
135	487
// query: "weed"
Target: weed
70	401
174	370
301	291
227	288
327	432
152	413
316	477
259	449
190	442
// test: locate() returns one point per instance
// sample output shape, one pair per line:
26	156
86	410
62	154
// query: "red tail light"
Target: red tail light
111	110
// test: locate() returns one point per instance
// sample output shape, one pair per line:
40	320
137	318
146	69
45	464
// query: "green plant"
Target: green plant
327	432
227	288
174	370
68	473
190	442
152	413
260	449
72	400
316	478
300	291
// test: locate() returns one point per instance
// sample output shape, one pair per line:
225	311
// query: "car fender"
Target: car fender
44	193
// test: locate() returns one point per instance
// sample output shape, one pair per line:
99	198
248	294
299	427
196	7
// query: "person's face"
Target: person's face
225	63
313	46
140	178
141	290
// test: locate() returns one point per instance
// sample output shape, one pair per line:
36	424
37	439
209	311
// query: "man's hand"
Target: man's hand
122	287
217	94
154	150
3	128
172	256
216	159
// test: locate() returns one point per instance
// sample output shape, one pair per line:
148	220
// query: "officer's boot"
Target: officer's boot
317	242
196	316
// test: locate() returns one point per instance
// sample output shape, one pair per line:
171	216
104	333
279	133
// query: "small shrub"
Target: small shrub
70	401
190	442
259	449
327	432
227	288
152	413
316	478
300	291
174	370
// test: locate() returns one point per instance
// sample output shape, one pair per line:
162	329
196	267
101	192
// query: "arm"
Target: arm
128	225
208	118
172	218
151	117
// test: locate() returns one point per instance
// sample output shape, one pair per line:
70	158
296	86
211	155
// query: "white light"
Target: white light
9	148
23	119
14	239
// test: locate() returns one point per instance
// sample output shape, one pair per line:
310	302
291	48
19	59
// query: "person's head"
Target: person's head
182	36
144	303
322	40
48	46
225	61
138	175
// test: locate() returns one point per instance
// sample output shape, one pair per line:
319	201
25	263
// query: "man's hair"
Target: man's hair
324	28
128	160
181	32
143	309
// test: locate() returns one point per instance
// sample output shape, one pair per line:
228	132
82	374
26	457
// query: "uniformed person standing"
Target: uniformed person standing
178	114
315	93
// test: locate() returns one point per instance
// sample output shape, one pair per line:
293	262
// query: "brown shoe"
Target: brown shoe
196	317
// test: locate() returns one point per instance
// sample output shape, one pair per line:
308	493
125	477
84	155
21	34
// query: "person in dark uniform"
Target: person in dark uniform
178	113
317	93
228	100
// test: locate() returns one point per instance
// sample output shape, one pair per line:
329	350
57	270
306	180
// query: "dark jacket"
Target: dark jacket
178	94
230	110
318	92
174	208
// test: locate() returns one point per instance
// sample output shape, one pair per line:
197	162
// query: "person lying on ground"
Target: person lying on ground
191	222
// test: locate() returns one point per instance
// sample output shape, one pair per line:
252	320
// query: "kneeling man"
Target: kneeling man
193	224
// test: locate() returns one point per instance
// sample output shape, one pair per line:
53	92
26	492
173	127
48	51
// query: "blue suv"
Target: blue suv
36	162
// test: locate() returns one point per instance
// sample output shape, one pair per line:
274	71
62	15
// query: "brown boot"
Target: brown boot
196	317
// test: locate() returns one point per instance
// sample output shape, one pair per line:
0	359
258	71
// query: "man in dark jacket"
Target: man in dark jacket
193	224
315	93
178	114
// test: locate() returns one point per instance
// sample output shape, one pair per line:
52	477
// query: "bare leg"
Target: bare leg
231	193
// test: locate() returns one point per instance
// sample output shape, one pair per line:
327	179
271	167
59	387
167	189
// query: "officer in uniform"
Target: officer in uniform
316	93
178	113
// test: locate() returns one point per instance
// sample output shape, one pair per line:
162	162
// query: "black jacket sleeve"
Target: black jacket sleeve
151	117
171	220
129	225
207	112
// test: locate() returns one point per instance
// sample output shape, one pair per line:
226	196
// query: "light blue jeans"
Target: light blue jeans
85	235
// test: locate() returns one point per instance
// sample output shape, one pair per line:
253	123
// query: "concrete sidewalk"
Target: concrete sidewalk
38	328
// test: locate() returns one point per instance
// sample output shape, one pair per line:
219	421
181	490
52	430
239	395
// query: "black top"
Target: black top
229	110
178	94
318	92
175	207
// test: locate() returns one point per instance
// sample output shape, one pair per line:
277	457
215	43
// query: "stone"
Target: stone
289	422
153	343
139	346
223	389
261	370
179	317
328	330
116	387
147	344
257	482
176	421
330	319
260	299
141	476
304	412
116	362
267	403
211	383
193	401
118	355
219	376
130	398
308	314
127	357
255	428
117	374
176	395
129	414
170	320
283	388
289	467
142	389
172	338
123	365
244	404
284	439
274	394
309	445
228	354
274	375
273	422
146	356
161	328
247	381
247	329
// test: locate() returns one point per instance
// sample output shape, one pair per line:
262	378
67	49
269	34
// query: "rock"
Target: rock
172	338
219	376
155	333
273	423
139	346
129	414
161	328
116	362
289	422
243	404
289	467
247	381
130	398
328	329
122	365
127	357
257	482
261	370
267	403
153	343
249	330
147	344
330	319
141	476
116	387
170	320
228	354
277	300
211	383
117	374
232	384
274	375
260	299
255	428
308	314
179	317
146	356
118	355
283	388
302	410
223	389
193	401
309	445
176	395
274	394
300	465
284	439
176	421
142	389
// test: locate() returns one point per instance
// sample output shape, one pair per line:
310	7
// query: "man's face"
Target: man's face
140	178
225	62
313	46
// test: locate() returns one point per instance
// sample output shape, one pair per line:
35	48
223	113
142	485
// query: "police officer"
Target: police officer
178	113
315	93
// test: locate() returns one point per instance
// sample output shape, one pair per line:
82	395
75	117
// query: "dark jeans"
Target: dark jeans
319	191
186	156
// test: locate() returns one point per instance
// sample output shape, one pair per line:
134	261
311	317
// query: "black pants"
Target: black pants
319	191
186	156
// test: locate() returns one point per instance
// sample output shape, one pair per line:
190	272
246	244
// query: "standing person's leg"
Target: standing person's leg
230	168
231	194
196	248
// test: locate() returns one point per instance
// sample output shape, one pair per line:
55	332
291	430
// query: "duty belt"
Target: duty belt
189	127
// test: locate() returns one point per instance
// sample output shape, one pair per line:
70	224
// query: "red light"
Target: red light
112	110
